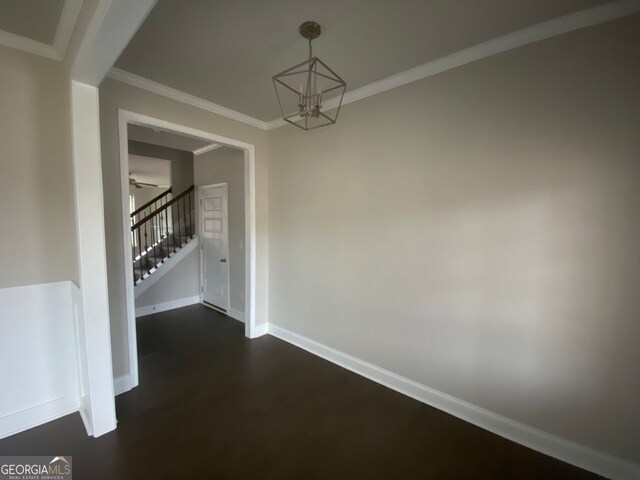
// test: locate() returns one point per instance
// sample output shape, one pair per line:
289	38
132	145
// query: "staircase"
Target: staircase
159	229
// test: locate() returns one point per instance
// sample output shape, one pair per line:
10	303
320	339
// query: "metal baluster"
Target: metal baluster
184	217
146	246
166	224
133	254
190	226
179	223
155	241
139	251
173	230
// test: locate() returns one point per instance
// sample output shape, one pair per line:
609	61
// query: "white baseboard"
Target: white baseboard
164	306
260	330
36	415
85	415
122	384
554	446
236	314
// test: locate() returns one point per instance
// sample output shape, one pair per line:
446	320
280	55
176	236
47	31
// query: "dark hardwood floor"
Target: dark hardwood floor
213	405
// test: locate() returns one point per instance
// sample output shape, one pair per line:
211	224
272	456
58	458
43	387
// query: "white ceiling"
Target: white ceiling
34	19
165	139
155	171
226	51
41	27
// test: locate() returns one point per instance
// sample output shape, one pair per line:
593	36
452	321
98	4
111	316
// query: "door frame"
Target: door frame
126	117
226	233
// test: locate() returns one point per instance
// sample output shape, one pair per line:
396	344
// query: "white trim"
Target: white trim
122	384
551	28
206	148
89	35
226	233
36	415
125	117
81	357
261	330
28	45
250	242
85	415
92	264
64	31
130	301
33	318
66	24
165	91
212	307
165	306
166	267
554	446
236	314
112	25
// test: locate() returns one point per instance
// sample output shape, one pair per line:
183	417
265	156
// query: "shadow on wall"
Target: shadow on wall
476	232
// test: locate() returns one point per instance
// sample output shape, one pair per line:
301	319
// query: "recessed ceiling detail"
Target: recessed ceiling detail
31	19
209	49
573	21
40	27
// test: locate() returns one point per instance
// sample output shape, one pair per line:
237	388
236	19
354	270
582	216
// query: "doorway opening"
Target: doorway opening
239	301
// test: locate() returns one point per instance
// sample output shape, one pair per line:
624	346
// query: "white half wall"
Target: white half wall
38	360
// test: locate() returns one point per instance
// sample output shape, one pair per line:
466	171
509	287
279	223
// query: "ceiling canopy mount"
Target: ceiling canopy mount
310	30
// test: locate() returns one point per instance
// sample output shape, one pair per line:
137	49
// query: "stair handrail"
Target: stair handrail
162	208
150	202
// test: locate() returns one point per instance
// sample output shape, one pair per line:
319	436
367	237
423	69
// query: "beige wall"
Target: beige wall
226	165
145	194
36	174
477	232
181	163
114	95
182	281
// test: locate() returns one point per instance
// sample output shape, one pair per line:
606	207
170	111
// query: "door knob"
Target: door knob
223	260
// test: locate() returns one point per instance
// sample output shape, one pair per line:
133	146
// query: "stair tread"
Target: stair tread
151	263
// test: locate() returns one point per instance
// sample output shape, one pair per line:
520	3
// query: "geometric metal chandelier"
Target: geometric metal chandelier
302	88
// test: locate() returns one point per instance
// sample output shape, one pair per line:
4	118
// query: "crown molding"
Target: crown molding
172	93
28	45
64	30
574	21
551	28
206	148
66	25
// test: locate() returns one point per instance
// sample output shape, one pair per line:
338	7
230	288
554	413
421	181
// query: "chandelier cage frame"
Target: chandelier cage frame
309	114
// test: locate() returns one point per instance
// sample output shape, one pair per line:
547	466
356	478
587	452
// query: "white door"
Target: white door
214	235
